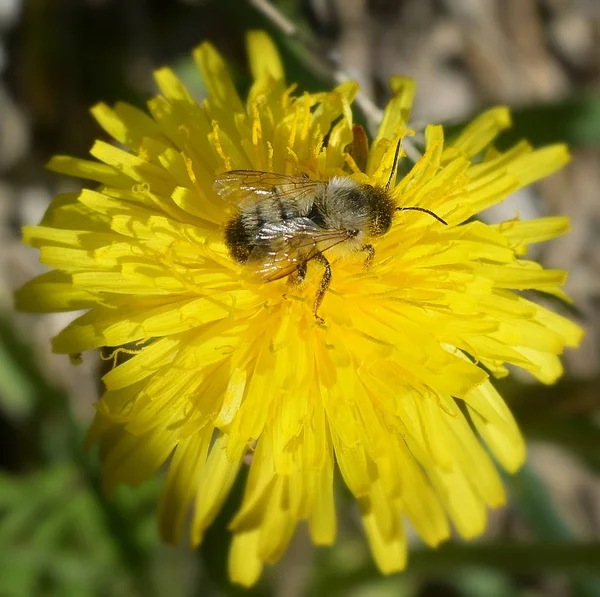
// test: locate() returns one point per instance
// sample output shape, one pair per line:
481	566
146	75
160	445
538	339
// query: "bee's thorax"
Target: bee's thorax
342	206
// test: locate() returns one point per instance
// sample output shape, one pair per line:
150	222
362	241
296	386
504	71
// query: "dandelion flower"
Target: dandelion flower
394	389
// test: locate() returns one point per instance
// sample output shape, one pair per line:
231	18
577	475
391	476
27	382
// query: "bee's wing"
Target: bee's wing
283	246
248	186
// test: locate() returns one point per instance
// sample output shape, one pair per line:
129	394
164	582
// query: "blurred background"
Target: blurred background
58	535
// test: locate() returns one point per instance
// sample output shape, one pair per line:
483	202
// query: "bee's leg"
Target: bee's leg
325	282
297	277
370	249
300	274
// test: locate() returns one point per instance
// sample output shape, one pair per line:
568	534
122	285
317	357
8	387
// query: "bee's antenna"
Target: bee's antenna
427	211
394	164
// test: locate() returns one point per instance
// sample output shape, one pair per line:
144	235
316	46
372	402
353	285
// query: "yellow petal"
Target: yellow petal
322	522
277	527
132	459
216	77
87	169
215	482
481	131
52	291
106	327
496	425
391	554
397	111
521	233
539	164
264	57
150	359
180	487
244	564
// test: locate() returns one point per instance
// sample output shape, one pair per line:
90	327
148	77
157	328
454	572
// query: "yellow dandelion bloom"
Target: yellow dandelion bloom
394	386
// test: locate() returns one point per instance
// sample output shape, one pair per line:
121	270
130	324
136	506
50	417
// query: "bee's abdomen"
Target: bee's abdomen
242	234
238	239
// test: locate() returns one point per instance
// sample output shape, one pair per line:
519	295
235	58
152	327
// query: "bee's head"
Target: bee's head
380	208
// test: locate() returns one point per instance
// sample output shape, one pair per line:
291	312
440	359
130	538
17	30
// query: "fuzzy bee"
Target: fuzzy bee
283	222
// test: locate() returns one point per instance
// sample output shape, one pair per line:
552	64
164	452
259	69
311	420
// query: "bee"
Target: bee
281	222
